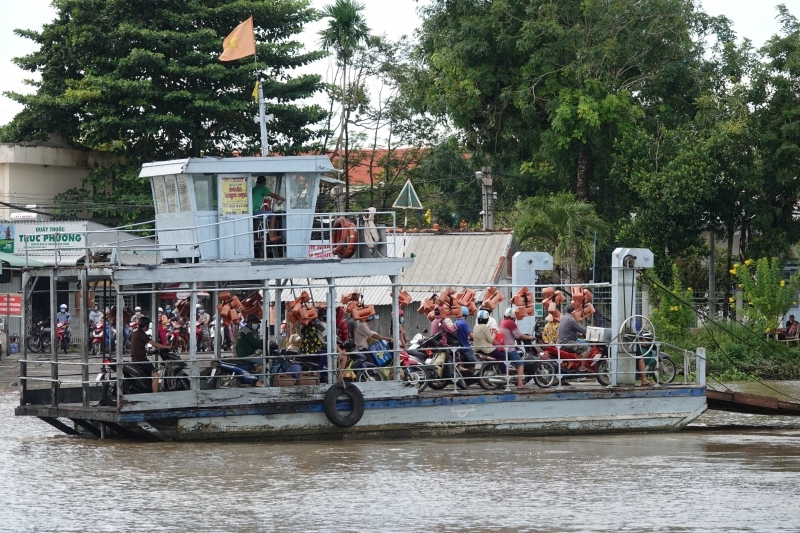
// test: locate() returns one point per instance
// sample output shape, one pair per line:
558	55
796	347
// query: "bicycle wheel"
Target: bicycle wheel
666	369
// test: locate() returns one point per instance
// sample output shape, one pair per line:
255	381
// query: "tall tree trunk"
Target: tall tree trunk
584	173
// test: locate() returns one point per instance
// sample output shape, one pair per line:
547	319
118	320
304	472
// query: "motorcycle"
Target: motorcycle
98	337
39	339
538	368
414	370
134	380
63	336
177	336
596	360
171	372
232	373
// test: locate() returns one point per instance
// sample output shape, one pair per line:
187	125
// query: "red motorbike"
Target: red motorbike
596	360
98	337
62	333
178	336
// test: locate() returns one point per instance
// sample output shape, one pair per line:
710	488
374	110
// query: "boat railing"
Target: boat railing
285	368
314	232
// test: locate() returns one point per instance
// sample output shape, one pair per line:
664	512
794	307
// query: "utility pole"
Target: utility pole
487	197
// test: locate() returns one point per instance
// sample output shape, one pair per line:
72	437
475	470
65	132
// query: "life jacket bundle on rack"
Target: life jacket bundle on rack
344	238
492	298
581	303
523	299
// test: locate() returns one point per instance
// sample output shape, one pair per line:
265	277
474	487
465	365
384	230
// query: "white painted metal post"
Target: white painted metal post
624	263
525	267
331	330
195	374
53	340
700	366
120	342
395	328
84	344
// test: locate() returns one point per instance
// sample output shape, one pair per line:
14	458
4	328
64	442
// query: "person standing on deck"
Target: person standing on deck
260	193
508	327
139	341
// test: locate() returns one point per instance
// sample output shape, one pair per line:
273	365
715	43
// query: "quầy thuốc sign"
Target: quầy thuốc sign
47	238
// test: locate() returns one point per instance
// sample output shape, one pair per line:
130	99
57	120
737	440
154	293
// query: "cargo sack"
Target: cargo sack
380	351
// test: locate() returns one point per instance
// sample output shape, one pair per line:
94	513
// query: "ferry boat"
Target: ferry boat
207	241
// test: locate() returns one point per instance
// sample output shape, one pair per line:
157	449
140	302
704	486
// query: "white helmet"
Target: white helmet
483	314
63	307
509	313
160	309
137	309
198	306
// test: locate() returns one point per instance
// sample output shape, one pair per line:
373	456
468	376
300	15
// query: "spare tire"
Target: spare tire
332	396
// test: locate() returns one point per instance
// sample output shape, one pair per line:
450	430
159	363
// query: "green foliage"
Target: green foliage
672	314
767	296
562	225
143	80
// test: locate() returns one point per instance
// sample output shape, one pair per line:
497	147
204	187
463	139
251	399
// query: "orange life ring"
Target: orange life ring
345	240
340	225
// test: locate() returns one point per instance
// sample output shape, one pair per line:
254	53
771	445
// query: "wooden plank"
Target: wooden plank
59	425
739	402
88	426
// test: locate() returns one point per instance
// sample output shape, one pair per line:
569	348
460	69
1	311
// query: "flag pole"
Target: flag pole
262	118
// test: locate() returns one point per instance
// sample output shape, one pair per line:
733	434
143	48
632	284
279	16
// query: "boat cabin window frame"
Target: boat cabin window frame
205	192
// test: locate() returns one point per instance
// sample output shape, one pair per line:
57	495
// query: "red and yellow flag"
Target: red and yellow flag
240	43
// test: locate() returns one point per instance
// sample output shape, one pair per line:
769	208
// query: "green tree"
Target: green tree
767	296
142	79
551	84
346	32
562	225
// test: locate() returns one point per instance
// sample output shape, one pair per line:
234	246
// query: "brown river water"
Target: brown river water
726	472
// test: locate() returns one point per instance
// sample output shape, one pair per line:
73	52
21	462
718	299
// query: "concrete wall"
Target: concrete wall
35	174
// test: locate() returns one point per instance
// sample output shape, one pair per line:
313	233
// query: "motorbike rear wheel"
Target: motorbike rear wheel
369	375
34	344
603	372
545	374
492	377
417	377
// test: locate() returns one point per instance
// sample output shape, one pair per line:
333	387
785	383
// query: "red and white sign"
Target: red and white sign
11	304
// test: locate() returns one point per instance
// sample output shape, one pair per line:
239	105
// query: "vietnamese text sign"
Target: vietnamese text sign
11	304
47	237
234	196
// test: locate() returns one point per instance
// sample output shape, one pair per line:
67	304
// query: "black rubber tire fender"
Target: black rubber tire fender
332	396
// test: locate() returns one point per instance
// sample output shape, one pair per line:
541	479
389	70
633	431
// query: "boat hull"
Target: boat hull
464	414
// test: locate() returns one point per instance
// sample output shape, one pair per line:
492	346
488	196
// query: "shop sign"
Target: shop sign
46	238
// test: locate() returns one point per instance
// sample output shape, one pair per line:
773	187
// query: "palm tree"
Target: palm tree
345	33
562	225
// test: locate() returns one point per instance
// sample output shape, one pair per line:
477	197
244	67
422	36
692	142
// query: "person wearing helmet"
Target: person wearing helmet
139	341
511	334
483	338
63	315
94	316
464	335
444	324
248	341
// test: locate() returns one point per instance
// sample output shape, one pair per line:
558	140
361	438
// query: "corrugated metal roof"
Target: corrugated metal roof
454	259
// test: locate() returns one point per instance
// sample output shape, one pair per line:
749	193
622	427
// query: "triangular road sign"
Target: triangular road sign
407	199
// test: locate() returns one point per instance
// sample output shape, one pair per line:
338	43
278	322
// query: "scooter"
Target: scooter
98	337
62	333
542	371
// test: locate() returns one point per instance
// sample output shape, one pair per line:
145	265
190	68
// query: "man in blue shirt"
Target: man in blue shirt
464	335
62	315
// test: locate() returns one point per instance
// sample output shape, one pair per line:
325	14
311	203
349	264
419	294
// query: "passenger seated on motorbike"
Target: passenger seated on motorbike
248	341
139	341
508	327
568	332
343	349
446	325
363	334
464	336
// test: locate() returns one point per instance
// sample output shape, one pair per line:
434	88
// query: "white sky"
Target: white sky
755	20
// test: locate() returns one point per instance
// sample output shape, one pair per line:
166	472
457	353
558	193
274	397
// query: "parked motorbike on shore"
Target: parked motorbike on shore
39	339
135	380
